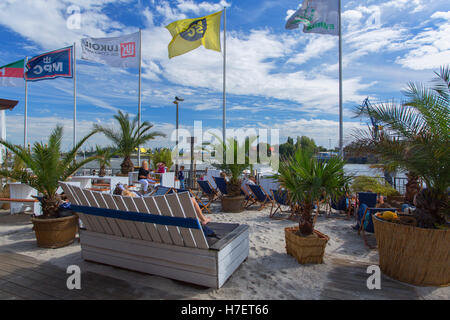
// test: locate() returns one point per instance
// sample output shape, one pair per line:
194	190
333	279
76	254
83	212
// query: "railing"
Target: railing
398	183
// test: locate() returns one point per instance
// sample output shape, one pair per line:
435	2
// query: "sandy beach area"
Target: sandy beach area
268	273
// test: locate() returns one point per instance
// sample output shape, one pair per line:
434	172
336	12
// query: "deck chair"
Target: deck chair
249	198
208	190
367	198
221	185
261	196
365	221
161	191
158	235
280	198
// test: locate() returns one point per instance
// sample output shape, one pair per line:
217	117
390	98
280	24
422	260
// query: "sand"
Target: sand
269	273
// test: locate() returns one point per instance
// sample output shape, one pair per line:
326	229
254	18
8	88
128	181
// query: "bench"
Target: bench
159	235
33	203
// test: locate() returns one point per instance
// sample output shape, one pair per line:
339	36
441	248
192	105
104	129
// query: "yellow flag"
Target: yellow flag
189	34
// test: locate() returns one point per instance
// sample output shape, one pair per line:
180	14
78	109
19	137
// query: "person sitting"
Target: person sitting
144	177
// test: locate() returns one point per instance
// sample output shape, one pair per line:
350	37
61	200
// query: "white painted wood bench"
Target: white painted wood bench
175	252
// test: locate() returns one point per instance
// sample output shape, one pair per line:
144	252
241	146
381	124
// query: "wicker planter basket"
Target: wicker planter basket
55	233
233	204
413	255
305	249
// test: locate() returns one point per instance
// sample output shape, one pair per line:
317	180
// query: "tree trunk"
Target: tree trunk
127	165
412	187
102	171
50	206
306	227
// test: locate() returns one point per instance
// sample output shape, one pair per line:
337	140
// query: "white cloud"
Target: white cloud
39	128
316	47
201	7
430	48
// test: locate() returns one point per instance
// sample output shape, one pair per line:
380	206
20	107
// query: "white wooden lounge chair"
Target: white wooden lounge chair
159	235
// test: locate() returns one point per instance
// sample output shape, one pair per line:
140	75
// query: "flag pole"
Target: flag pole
139	94
341	128
25	115
74	95
224	125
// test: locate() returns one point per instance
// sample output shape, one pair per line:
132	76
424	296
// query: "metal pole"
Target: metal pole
25	118
74	95
191	169
341	128
224	125
176	147
139	98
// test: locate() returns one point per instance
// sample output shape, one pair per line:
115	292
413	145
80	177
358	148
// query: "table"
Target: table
18	190
86	181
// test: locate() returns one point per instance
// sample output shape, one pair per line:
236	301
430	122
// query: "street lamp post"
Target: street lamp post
177	101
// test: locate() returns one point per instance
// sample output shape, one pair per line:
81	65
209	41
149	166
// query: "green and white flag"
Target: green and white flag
318	16
11	75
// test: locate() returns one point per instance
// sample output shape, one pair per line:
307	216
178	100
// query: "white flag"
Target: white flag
318	16
122	52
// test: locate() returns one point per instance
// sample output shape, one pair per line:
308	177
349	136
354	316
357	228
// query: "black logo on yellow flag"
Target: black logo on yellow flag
196	30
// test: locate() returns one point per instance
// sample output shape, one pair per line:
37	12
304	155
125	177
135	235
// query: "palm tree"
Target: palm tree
240	160
416	136
104	159
45	168
129	137
307	180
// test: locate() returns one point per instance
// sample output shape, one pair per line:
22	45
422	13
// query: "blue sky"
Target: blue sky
277	78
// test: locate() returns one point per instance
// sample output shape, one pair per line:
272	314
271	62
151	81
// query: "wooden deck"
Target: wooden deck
348	281
23	277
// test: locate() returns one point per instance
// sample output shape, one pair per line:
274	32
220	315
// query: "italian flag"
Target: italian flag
11	75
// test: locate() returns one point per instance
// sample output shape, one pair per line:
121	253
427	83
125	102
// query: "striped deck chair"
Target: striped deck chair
280	198
221	185
261	196
158	235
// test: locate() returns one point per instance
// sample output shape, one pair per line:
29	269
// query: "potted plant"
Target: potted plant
104	159
307	179
128	138
416	135
235	160
45	167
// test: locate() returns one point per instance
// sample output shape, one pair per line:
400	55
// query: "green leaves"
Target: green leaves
44	166
415	134
308	179
130	135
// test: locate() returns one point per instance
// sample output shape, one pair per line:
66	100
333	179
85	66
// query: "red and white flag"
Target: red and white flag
11	75
121	52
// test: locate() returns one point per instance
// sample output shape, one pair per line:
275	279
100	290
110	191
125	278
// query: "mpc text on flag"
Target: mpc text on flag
189	34
121	52
11	75
318	16
50	65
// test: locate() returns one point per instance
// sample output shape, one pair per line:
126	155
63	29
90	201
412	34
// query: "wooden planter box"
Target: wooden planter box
55	233
305	249
413	255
